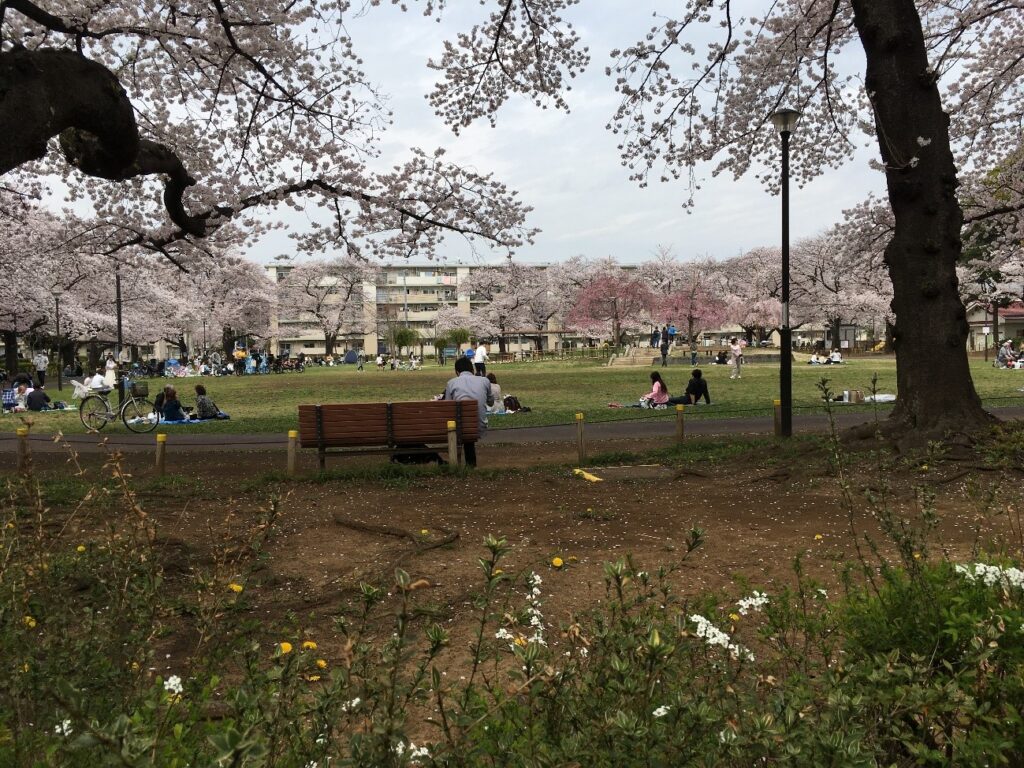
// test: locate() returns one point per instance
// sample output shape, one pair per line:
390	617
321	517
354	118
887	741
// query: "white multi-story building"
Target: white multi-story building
408	295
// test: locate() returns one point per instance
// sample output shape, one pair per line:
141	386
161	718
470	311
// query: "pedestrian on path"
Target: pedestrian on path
41	362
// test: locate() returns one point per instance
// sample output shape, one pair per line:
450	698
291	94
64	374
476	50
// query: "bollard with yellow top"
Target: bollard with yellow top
679	423
454	456
161	454
778	417
581	443
293	436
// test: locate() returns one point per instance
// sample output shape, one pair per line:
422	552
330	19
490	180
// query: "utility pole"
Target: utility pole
117	353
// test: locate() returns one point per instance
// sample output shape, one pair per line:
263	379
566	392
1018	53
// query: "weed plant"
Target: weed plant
915	660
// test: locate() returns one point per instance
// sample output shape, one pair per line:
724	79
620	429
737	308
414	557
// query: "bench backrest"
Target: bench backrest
387	424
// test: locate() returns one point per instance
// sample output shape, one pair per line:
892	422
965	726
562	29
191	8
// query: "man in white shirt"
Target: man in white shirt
42	362
96	381
480	359
466	386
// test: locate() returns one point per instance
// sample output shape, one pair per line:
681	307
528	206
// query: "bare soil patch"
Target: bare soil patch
759	510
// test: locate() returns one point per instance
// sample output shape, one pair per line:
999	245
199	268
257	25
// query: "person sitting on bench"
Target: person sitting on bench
467	386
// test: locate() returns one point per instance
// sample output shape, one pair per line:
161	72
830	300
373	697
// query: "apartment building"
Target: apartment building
408	295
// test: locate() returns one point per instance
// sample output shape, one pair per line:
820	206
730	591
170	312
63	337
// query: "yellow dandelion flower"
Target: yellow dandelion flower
424	532
573	558
24	667
29	622
236	588
10	525
497	572
321	663
520	640
917	555
80	548
818	537
309	645
285	648
135	666
734	616
557	562
313	678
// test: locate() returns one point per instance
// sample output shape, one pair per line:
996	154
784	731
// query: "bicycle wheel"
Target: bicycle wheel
94	412
139	415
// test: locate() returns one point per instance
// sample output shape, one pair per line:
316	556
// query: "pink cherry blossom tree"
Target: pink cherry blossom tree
611	305
690	293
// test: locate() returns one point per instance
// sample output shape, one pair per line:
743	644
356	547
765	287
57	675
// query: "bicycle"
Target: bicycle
137	413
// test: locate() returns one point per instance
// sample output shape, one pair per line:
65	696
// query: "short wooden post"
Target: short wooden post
679	423
23	454
161	454
581	442
454	457
293	435
778	417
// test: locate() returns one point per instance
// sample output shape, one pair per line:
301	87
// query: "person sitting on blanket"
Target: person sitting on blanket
172	406
205	407
37	400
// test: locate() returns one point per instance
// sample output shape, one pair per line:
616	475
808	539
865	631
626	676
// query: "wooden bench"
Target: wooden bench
416	427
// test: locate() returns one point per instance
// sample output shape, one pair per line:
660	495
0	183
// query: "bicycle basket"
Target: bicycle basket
140	389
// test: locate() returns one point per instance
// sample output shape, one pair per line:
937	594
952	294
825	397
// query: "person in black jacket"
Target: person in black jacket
696	388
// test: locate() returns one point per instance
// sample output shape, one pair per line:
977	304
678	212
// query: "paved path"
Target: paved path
608	430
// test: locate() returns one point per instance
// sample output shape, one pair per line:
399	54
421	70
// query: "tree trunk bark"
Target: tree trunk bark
93	354
182	349
329	341
935	390
10	351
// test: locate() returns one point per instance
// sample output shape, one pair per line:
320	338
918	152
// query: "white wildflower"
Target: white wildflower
351	705
991	575
914	161
63	728
714	636
173	685
503	634
661	711
753	603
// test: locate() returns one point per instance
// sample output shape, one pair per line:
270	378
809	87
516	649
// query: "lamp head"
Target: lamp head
785	120
57	291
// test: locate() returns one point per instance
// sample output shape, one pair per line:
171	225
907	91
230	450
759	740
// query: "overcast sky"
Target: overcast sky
566	165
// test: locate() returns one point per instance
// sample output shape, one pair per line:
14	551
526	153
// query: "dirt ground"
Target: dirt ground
758	510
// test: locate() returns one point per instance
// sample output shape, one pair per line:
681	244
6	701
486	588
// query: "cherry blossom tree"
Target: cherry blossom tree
328	296
505	291
940	91
611	305
754	290
691	293
224	109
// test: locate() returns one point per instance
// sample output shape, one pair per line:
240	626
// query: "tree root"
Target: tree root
419	546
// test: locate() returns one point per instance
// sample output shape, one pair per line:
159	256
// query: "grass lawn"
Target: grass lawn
553	390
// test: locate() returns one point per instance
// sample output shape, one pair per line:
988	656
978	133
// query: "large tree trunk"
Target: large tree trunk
10	351
182	349
330	340
935	390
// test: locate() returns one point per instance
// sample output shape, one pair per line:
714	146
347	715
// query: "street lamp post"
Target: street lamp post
57	292
204	337
117	355
785	121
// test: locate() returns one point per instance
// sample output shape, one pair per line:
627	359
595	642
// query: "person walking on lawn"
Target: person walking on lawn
41	362
736	358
